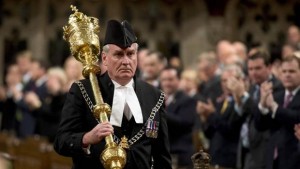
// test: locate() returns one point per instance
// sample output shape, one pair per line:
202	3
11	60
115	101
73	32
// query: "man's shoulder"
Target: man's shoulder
79	85
184	98
85	82
147	87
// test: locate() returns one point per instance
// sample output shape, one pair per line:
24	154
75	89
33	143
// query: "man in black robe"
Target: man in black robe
81	137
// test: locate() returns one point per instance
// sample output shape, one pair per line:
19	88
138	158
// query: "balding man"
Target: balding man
241	49
224	50
293	36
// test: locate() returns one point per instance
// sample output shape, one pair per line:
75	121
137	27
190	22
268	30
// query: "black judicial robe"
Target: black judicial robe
77	119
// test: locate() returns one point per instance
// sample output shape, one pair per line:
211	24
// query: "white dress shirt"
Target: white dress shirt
125	101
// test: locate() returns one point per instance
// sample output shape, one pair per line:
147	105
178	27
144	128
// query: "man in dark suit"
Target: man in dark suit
252	144
35	87
279	113
48	110
220	122
181	115
210	88
153	64
8	107
82	138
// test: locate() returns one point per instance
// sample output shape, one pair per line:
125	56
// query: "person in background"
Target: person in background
220	122
142	54
235	59
252	143
293	37
208	67
287	50
35	86
8	107
181	118
279	113
38	74
176	62
189	82
23	61
297	131
276	68
224	49
48	110
189	85
73	70
154	62
241	50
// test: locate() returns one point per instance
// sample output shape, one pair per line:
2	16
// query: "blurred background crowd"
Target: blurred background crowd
238	99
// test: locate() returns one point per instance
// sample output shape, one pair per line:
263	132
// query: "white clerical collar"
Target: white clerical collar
125	95
129	84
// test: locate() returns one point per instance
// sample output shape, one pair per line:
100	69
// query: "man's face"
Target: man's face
187	84
293	35
258	71
169	81
224	49
142	54
121	63
73	69
36	71
13	75
53	84
208	70
24	64
290	74
152	67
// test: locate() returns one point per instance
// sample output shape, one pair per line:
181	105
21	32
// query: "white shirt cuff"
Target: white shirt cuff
263	110
238	108
87	150
274	109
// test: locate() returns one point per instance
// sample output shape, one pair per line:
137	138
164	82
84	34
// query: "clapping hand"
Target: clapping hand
237	88
266	97
297	131
32	100
205	109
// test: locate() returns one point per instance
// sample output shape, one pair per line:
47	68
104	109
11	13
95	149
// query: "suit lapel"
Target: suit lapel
295	100
106	88
142	98
174	104
280	98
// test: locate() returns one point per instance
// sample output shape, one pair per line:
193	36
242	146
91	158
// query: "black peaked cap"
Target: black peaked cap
120	34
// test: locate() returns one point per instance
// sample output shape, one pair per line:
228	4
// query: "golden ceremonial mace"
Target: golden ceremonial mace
82	34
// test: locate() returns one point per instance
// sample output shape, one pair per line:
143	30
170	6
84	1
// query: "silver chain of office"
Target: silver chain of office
139	134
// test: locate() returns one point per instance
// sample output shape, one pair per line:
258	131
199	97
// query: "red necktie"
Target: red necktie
287	100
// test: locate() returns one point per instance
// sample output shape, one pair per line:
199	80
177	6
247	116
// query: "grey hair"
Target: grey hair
234	68
105	48
209	56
